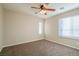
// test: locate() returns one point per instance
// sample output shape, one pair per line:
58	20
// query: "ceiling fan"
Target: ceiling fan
43	8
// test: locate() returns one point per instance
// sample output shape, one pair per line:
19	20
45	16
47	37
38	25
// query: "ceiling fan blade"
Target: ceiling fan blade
50	9
35	7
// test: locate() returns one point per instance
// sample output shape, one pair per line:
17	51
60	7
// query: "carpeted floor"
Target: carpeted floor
39	48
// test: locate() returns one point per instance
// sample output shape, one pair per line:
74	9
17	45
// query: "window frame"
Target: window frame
60	30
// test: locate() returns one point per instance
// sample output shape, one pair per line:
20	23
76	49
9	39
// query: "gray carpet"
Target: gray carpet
39	48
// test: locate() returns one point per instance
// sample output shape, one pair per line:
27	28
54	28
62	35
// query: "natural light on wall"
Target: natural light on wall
40	27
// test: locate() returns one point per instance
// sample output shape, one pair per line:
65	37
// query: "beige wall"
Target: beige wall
1	27
51	29
20	28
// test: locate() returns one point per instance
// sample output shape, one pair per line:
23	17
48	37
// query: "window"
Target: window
40	27
69	27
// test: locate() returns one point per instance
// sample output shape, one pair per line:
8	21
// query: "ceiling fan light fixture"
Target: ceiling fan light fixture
43	11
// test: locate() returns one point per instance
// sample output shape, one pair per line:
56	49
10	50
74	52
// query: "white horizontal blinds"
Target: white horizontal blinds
69	27
76	26
65	27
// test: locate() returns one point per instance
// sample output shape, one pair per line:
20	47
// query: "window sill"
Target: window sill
66	37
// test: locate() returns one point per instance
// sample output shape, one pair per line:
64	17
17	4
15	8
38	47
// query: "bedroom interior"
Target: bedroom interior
39	29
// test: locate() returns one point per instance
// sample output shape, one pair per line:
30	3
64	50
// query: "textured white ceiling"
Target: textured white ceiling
26	8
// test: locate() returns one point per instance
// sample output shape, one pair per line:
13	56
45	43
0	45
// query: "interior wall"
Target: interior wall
51	29
1	26
20	28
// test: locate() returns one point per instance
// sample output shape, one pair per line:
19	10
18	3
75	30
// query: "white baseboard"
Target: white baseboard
64	44
20	43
